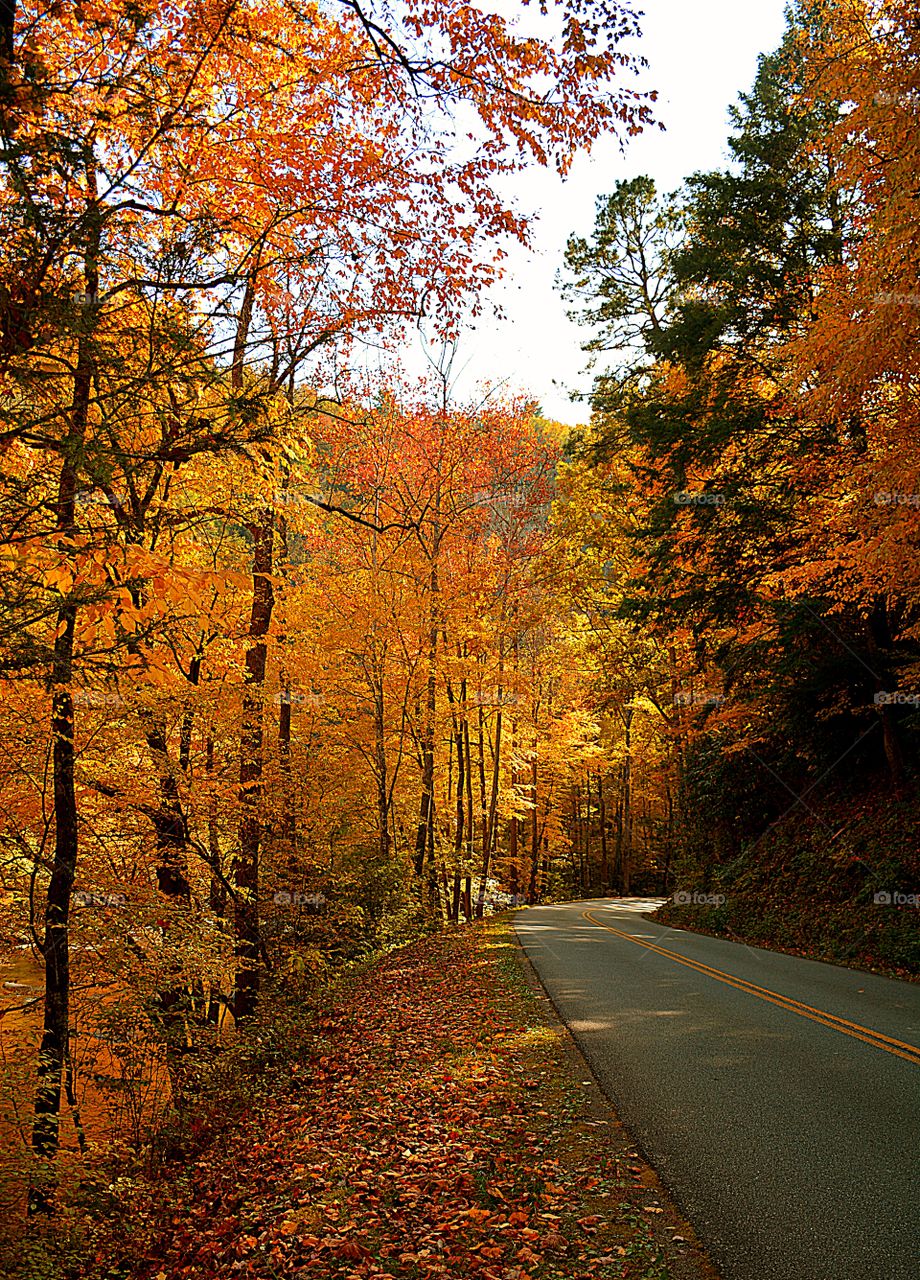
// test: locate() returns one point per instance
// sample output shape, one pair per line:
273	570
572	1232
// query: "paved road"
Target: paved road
789	1136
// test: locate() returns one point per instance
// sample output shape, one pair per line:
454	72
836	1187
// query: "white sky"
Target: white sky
701	55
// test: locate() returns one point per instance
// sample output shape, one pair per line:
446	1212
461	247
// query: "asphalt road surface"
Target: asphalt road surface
778	1098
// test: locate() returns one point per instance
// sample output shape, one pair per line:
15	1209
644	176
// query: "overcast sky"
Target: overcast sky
702	53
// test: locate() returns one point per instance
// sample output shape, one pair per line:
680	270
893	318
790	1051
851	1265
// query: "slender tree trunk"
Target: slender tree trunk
514	827
879	641
618	844
171	1008
376	674
669	837
169	818
424	839
602	819
55	1043
481	763
434	892
188	719
627	807
459	829
534	835
588	876
174	1007
244	320
513	848
450	763
246	863
217	895
678	737
285	714
489	835
288	809
426	815
381	768
892	744
468	771
456	741
54	1051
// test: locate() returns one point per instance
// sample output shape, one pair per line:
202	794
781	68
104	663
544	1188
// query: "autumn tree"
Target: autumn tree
168	270
856	355
747	412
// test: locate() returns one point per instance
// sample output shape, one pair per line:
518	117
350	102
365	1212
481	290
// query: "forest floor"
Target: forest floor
443	1124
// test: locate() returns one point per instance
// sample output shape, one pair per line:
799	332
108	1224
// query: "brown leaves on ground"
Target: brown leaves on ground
415	1147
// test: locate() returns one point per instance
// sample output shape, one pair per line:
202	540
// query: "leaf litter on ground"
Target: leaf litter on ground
441	1130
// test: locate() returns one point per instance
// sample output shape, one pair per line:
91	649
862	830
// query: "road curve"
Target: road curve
778	1098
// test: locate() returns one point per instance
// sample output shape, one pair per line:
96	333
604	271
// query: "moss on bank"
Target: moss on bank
838	882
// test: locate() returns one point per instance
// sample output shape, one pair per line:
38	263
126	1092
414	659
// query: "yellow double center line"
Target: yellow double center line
898	1047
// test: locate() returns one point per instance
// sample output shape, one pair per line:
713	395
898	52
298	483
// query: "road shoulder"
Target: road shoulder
595	1129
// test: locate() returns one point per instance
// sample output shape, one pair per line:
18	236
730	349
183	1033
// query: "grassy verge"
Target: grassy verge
433	1121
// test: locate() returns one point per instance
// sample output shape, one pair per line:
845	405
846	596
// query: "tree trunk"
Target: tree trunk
434	892
534	835
468	772
456	741
879	642
188	719
217	894
679	739
459	830
481	762
514	850
627	807
383	790
246	863
602	819
54	1052
424	838
289	808
669	838
55	1043
171	1008
489	834
168	818
289	811
588	877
